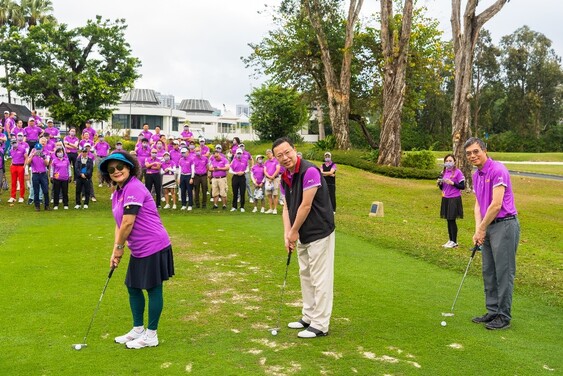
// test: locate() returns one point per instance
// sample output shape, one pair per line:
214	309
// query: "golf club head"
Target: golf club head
78	346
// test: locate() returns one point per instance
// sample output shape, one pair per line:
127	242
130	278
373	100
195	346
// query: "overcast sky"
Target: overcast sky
192	48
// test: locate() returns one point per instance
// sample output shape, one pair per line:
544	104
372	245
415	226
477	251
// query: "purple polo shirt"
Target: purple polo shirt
84	142
102	149
142	154
38	119
170	165
148	236
186	165
200	164
152	169
32	133
60	168
155	137
270	166
490	176
239	165
223	162
311	179
38	163
186	134
49	148
70	142
455	175
175	155
204	149
9	125
91	131
52	132
19	153
258	173
146	134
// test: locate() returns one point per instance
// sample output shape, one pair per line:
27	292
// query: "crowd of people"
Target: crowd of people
181	172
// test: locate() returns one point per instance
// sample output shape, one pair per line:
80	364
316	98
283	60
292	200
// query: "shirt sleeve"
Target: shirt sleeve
311	178
501	178
131	209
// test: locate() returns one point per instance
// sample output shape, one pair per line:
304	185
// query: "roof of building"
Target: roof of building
22	112
196	105
140	96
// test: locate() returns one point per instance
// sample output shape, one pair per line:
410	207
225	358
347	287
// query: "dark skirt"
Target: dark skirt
148	272
452	208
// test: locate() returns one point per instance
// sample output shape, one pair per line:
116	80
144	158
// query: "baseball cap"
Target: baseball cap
176	142
31	119
239	151
49	121
218	147
87	145
183	150
328	153
201	139
259	156
6	112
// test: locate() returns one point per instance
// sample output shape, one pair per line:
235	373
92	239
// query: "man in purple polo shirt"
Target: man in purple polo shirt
71	146
101	149
32	133
272	171
37	118
38	160
52	132
153	178
88	129
200	177
187	171
239	168
219	165
186	135
497	230
20	151
156	136
145	133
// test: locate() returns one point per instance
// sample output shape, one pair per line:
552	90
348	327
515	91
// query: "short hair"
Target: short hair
133	171
475	140
280	141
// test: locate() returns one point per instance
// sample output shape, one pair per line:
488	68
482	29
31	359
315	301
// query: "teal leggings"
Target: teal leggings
137	303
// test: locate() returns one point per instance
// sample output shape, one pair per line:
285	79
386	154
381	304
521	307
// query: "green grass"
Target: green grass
516	157
392	282
536	168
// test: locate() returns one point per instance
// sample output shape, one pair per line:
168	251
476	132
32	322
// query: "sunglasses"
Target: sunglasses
118	167
474	152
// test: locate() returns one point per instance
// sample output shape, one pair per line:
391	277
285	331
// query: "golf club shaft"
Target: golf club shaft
474	249
98	305
283	288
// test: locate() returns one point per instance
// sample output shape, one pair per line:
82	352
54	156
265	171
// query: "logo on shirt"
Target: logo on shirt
130	197
311	181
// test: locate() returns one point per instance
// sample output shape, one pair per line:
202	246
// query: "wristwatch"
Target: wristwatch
120	246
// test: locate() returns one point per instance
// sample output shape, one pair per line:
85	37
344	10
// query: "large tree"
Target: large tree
337	85
464	39
78	73
395	37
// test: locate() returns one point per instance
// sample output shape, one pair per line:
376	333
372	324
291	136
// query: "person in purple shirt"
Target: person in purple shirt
160	149
175	154
308	222
38	161
186	135
101	149
153	178
497	231
88	129
218	166
84	168
139	227
145	133
37	118
20	151
85	140
234	146
168	170
32	133
239	168
328	169
187	171
156	136
451	182
272	171
71	143
201	163
51	131
258	181
205	151
60	173
9	125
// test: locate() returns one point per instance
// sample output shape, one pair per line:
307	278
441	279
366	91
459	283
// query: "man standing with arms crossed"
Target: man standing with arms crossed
497	230
308	223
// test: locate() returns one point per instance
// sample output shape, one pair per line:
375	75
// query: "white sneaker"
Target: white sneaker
85	207
183	208
65	208
211	199
11	200
220	200
144	341
55	208
242	210
255	209
233	209
446	244
52	201
269	211
162	199
94	199
167	206
275	211
131	336
450	244
262	210
251	200
190	208
174	206
297	325
77	206
100	185
20	200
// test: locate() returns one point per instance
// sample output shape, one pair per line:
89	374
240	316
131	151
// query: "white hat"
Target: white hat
183	150
218	146
239	151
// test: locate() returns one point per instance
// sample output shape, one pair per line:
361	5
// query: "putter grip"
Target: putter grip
475	249
289	257
111	272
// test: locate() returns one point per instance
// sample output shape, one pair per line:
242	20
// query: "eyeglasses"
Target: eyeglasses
474	152
118	167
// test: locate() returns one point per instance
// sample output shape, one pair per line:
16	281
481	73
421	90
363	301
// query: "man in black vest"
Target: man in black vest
308	221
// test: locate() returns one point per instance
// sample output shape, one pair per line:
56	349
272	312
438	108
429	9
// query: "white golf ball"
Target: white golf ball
77	347
274	332
443	323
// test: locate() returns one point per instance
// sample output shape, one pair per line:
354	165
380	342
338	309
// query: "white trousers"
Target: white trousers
316	271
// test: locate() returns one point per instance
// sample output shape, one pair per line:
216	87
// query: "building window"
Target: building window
175	123
122	121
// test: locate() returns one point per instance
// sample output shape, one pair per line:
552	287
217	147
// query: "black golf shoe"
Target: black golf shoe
486	318
499	322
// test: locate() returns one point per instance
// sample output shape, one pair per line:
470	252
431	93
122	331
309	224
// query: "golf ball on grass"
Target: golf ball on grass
443	323
77	347
274	332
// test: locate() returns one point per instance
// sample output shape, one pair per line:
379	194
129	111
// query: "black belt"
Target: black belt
17	164
200	174
219	177
507	218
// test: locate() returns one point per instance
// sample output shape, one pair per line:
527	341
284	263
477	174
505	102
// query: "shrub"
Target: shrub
423	159
329	143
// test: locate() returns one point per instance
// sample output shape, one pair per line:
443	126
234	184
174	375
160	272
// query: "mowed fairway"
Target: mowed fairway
226	294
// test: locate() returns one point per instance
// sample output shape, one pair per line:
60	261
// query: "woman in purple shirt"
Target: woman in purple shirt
451	183
151	263
60	175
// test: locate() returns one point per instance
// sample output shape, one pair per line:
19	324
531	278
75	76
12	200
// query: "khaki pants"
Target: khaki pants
316	271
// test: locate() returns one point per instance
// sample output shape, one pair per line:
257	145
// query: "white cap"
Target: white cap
183	150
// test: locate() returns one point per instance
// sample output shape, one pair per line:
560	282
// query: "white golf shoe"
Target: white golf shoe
144	341
255	209
131	336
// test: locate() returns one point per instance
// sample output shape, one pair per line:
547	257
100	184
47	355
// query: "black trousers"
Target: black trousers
82	187
60	186
72	156
239	187
154	180
186	189
332	195
200	184
40	180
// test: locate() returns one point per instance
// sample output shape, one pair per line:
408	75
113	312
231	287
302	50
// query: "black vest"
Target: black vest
330	180
320	221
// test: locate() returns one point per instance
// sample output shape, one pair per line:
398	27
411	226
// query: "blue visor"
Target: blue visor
113	157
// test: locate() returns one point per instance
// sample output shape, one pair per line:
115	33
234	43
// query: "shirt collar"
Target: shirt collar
485	169
124	184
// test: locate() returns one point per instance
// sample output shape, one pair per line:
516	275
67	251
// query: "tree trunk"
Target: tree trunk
395	45
464	48
362	123
338	88
7	83
320	120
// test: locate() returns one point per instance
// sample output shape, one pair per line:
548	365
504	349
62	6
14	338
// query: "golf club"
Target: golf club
79	346
473	251
275	330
